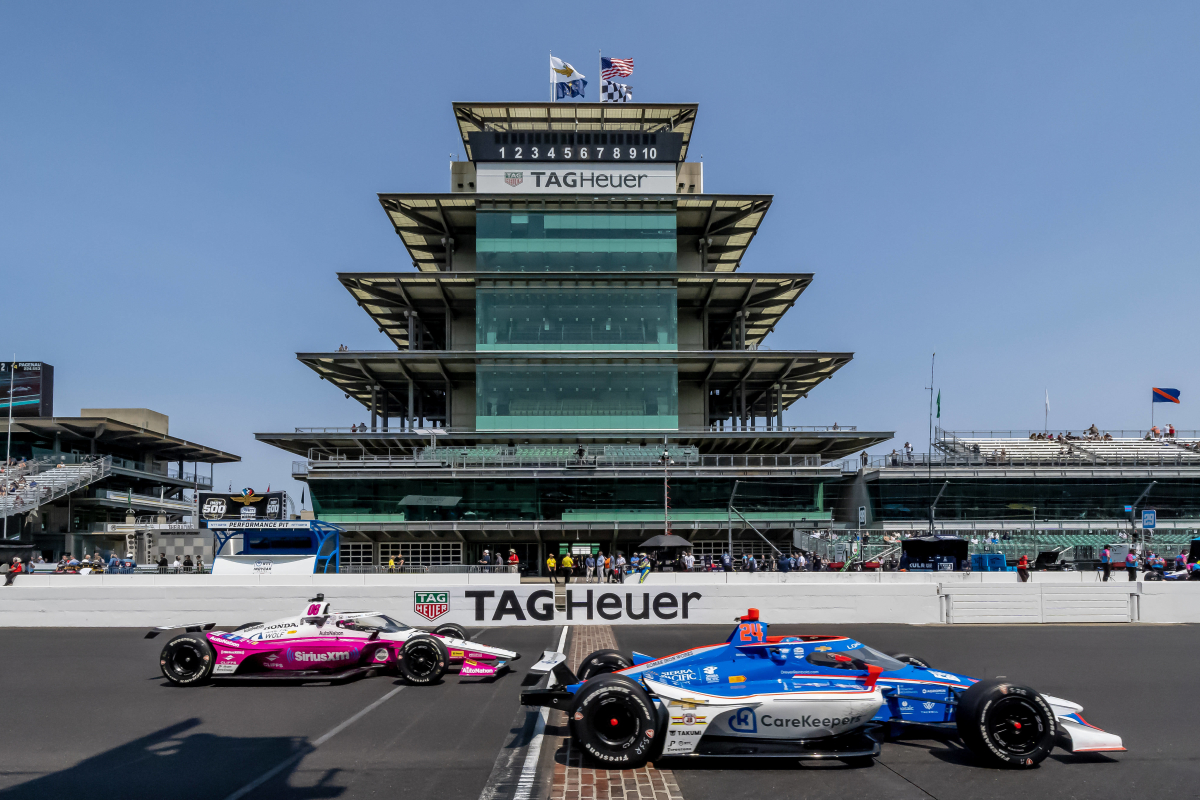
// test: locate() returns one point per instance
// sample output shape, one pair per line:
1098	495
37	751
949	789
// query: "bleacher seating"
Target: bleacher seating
51	483
1017	451
1096	451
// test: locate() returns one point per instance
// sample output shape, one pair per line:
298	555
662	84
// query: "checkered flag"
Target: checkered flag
615	93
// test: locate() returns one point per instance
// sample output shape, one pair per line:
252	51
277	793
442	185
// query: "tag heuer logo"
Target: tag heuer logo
431	605
514	178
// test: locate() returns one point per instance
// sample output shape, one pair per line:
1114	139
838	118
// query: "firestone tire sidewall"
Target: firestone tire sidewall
452	631
417	642
603	662
207	656
614	689
975	709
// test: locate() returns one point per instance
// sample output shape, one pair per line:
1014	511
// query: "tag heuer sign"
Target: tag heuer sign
431	605
514	178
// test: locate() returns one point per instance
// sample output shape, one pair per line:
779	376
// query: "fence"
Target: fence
456	459
434	569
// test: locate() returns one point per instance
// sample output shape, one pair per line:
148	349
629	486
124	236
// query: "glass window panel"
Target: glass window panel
508	241
576	396
632	318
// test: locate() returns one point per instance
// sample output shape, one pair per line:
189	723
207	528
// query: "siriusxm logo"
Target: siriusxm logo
335	655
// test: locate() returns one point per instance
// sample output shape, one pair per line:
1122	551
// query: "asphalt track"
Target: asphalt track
86	714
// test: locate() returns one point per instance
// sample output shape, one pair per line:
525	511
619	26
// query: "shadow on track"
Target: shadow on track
172	762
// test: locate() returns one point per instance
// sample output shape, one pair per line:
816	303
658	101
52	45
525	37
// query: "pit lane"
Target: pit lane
86	713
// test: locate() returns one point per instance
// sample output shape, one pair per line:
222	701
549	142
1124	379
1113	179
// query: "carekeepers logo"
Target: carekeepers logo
514	178
431	605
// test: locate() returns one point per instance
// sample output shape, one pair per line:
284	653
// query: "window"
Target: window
422	553
583	396
355	554
511	241
633	317
856	659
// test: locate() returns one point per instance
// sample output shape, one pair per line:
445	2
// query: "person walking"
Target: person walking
589	566
568	566
1131	565
1106	561
1023	568
726	562
599	567
552	568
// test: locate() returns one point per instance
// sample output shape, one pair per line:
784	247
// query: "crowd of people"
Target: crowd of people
615	568
96	564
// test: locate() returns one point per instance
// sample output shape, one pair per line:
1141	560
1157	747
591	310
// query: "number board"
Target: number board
575	146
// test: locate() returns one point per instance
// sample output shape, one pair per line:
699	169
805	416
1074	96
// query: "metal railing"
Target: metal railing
161	469
1078	433
427	569
450	459
732	427
1069	459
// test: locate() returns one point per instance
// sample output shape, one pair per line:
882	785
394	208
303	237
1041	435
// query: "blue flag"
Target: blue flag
569	89
1165	395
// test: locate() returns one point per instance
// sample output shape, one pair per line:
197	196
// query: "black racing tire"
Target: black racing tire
423	659
1006	724
451	630
602	662
187	660
914	661
1152	576
612	719
247	625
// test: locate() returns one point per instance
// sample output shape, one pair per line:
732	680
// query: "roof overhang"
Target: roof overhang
427	222
390	297
755	371
109	432
547	116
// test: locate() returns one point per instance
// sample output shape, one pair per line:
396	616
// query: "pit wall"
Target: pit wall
500	600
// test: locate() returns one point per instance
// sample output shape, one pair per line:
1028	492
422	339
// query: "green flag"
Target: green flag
939	414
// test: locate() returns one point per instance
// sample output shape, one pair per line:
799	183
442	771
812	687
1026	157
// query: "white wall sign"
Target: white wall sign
264	565
517	178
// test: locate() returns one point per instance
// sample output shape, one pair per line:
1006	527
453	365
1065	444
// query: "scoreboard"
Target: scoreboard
575	146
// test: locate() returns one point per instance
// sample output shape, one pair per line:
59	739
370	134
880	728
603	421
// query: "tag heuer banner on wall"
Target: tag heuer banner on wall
550	178
246	504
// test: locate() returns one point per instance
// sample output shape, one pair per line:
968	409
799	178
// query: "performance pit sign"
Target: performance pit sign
516	178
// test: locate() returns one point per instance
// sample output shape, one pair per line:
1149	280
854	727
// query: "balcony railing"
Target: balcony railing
447	458
1069	459
728	428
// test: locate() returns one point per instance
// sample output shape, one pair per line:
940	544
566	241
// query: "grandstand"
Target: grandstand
43	481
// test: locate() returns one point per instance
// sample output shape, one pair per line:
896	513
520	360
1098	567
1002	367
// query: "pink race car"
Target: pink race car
320	645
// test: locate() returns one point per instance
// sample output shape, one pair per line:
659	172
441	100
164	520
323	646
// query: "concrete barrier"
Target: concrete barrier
482	600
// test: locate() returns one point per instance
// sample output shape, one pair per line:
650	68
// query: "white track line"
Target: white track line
266	776
528	778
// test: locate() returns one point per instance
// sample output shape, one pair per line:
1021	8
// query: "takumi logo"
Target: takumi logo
431	605
514	178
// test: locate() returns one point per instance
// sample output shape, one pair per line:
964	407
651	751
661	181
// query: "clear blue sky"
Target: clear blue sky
1015	186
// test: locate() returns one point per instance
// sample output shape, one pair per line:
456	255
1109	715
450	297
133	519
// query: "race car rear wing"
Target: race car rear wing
190	627
548	678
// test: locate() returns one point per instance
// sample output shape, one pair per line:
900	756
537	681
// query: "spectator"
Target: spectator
589	566
689	561
1131	564
552	568
113	562
1106	560
13	571
598	569
497	560
567	567
620	568
187	564
1023	568
801	562
1170	431
864	459
513	560
200	564
726	562
177	564
485	561
908	452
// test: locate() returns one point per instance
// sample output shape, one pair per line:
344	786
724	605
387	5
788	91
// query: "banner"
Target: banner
31	386
264	565
244	505
611	178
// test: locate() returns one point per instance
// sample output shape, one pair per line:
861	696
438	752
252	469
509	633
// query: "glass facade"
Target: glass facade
576	396
582	317
1065	499
512	241
563	498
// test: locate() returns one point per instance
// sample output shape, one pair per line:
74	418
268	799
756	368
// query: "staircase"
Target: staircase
50	483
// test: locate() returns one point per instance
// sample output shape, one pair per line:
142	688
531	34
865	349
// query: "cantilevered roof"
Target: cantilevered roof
107	432
829	445
759	371
427	222
389	297
546	116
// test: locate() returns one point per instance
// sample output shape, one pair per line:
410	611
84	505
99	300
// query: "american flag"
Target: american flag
615	67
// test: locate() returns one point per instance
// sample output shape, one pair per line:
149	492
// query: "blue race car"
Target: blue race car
816	697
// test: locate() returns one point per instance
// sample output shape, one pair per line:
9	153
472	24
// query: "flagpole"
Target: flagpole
552	76
599	69
12	376
929	454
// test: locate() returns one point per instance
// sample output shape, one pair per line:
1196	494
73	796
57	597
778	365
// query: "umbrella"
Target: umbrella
666	540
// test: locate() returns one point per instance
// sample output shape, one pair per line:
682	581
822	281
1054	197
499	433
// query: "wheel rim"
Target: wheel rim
1016	725
186	661
615	723
422	659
